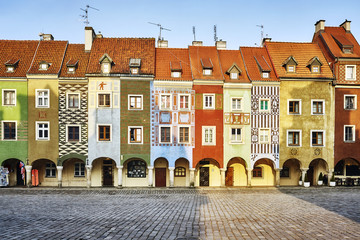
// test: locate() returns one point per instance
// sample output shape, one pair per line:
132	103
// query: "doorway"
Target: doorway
229	177
108	175
204	176
160	177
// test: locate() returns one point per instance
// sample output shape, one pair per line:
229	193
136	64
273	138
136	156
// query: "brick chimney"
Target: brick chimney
320	26
89	38
197	43
162	43
346	25
220	44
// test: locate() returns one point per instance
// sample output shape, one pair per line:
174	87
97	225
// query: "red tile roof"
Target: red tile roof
302	52
175	58
257	59
228	58
51	52
198	53
75	55
345	38
12	51
120	50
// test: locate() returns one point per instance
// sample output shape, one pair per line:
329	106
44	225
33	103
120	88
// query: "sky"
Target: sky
236	21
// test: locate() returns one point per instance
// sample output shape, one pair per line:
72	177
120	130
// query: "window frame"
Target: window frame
323	138
241	141
207	72
67	132
170	102
80	172
171	135
323	106
3	130
241	104
179	134
353	133
265	75
98	132
143	165
129	135
52	169
268	106
288	67
67	100
37	98
97	99
269	135
189	101
213	143
287	138
316	66
3	97
176	74
232	74
37	138
355	101
288	107
354	73
135	96
212	95
283	171
107	68
259	169
180	173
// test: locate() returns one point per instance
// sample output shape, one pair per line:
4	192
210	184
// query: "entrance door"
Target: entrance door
310	174
204	176
107	176
229	177
160	177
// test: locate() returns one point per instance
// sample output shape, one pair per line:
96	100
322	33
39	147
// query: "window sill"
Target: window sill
79	176
349	141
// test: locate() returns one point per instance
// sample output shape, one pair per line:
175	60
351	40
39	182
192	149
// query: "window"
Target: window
234	75
350	73
104	100
42	98
9	69
42	131
106	67
209	101
207	72
165	102
208	135
293	138
135	102
236	104
136	169
264	135
43	66
135	134
73	100
9	130
264	105
79	170
317	138
175	74
291	68
183	134
349	133
317	107
315	69
50	170
165	134
184	101
236	136
294	107
134	70
180	172
265	75
71	70
350	102
257	172
104	133
285	172
9	97
73	134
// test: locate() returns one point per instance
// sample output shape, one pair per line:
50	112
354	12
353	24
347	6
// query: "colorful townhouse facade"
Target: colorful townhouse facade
342	51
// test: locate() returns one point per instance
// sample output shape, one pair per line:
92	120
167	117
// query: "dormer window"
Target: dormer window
291	68
290	64
134	65
44	65
176	74
71	66
234	71
176	69
315	69
9	69
71	69
263	66
314	65
345	45
207	66
106	63
134	70
265	74
234	75
207	72
11	65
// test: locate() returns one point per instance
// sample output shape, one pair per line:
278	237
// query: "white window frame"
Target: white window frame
241	104
53	167
170	102
3	132
241	141
129	102
269	136
184	126
98	132
287	137
175	74
213	143
290	66
134	70
67	131
324	137
37	138
265	74
97	99
207	72
3	97
288	106
313	67
189	101
346	75
10	69
106	69
71	70
355	101
67	100
323	106
142	134
171	134
212	95
264	99
79	175
37	98
234	75
353	132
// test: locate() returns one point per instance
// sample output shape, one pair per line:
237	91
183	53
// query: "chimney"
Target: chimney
99	35
89	38
220	44
346	25
197	43
267	39
46	37
320	26
162	43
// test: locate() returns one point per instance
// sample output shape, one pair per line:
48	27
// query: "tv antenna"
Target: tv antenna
215	34
161	28
262	33
86	15
194	33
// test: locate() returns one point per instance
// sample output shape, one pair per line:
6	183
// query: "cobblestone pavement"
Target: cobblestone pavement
206	213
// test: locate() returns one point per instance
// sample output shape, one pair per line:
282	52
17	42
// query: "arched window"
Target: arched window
180	172
136	169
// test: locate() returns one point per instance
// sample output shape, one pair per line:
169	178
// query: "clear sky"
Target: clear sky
236	20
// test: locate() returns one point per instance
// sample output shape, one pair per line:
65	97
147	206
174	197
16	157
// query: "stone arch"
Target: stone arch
161	167
135	172
291	172
263	173
17	173
61	160
208	173
182	172
236	172
104	172
316	166
347	167
46	172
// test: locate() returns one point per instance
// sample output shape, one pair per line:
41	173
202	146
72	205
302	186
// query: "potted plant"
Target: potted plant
320	180
332	181
300	180
306	182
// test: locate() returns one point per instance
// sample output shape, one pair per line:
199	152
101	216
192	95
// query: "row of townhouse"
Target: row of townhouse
120	112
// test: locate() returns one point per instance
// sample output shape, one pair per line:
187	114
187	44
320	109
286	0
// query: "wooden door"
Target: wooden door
229	177
160	177
204	176
107	176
